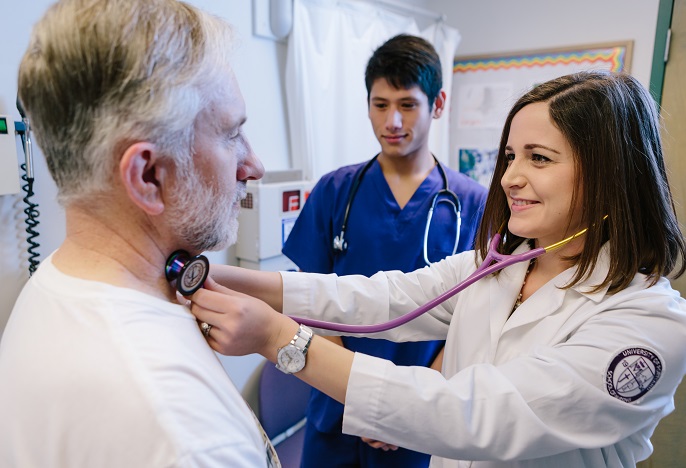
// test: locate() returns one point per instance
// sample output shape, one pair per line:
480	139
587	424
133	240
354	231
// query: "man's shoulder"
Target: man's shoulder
344	171
340	178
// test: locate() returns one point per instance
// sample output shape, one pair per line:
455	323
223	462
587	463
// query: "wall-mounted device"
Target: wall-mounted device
267	216
9	167
272	19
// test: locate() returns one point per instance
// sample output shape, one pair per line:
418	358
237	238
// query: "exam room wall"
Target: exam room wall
258	64
496	26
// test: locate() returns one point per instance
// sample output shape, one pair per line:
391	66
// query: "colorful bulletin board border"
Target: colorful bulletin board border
614	56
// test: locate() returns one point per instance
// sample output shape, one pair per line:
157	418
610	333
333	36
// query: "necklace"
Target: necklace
518	302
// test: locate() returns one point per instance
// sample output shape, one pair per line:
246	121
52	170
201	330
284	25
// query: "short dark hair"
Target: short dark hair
613	127
406	61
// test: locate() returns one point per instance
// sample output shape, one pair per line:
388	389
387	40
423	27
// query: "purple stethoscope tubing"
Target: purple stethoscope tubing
486	268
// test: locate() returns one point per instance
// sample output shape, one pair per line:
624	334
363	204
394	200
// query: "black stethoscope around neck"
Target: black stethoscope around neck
449	197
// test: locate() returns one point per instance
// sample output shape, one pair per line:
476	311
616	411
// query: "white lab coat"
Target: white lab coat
528	391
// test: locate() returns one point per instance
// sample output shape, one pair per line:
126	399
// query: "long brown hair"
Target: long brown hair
613	126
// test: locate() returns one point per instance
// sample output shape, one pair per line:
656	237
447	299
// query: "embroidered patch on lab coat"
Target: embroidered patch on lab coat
632	373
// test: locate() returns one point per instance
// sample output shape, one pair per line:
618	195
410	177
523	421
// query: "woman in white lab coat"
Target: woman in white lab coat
569	360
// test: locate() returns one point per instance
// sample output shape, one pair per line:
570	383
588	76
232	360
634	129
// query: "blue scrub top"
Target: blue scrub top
380	236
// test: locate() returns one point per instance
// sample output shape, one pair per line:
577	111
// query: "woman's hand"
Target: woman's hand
377	444
240	324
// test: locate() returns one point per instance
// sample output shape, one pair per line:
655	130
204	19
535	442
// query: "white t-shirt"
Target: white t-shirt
93	375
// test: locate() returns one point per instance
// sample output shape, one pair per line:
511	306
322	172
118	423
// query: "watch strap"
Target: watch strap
303	338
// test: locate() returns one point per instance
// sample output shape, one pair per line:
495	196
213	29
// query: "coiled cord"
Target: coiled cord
31	212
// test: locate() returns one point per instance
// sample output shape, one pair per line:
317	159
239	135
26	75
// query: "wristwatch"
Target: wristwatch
291	358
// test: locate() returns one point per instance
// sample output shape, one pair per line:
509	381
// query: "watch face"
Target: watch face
290	359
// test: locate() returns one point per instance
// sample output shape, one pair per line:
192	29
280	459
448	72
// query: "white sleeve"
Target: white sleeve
233	455
550	400
356	299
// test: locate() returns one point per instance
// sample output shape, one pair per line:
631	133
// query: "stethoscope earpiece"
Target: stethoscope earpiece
189	272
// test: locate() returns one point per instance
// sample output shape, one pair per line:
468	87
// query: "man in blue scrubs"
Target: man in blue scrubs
385	228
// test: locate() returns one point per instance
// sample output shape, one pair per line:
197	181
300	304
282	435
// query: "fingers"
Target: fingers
212	285
217	301
377	444
236	324
240	324
208	315
213	343
182	300
209	284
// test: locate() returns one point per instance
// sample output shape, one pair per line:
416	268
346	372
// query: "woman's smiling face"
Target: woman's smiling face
540	178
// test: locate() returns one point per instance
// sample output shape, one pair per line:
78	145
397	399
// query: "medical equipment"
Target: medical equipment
486	268
23	128
9	174
10	178
341	245
268	213
189	272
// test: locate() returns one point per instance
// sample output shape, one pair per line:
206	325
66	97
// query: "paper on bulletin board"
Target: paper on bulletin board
483	105
486	87
478	163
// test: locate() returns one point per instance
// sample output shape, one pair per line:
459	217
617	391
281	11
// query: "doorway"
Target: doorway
668	439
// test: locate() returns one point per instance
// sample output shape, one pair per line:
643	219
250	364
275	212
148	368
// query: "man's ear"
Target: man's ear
142	173
439	104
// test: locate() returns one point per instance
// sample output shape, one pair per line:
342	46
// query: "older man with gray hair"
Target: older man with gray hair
139	115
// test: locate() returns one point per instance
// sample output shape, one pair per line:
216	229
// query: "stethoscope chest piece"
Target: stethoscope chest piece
189	272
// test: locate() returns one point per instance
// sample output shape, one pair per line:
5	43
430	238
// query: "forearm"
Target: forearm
264	285
328	365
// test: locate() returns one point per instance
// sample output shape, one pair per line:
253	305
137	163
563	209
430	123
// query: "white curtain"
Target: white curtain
328	49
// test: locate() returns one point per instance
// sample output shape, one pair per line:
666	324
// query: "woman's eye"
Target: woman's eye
539	158
509	157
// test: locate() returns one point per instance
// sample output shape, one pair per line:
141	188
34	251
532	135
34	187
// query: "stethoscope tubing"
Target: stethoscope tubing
486	268
339	243
457	209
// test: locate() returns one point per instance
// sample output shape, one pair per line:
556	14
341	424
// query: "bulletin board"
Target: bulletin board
485	88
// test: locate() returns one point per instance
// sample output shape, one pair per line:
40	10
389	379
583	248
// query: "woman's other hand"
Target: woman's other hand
240	324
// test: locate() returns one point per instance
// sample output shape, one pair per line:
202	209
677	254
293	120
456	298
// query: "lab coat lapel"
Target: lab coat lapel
550	297
542	303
